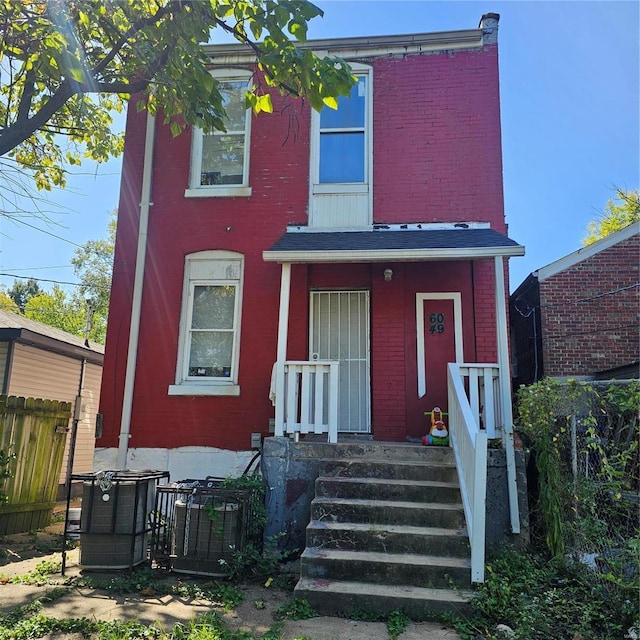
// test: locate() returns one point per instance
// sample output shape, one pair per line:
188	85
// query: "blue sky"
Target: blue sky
569	75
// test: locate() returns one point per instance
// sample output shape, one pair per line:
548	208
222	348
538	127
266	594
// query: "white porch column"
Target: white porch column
283	330
505	391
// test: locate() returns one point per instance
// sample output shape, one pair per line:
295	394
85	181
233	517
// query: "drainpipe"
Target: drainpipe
136	304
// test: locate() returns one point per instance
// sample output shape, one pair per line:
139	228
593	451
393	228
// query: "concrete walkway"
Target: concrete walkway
254	615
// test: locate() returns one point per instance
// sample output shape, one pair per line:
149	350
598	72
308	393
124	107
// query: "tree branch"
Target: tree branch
171	9
241	37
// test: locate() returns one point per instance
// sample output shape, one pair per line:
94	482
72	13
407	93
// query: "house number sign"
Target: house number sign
436	323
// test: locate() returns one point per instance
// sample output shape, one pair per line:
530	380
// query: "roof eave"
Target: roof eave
47	343
391	255
370	46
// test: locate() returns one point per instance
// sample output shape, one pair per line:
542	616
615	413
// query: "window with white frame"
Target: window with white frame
220	160
342	140
210	325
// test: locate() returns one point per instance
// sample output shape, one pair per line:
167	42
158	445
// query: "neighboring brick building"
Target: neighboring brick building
579	315
386	218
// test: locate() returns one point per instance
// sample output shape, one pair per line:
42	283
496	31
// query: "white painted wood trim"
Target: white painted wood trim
211	389
457	320
505	392
195	189
220	192
333	404
589	251
397	255
283	327
283	312
189	281
479	508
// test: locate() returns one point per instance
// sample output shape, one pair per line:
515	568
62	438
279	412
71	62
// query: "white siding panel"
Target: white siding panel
344	210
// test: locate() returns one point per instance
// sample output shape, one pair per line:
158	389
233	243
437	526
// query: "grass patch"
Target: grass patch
297	609
149	582
39	576
207	626
397	623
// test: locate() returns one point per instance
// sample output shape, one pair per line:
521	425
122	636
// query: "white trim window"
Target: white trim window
341	138
341	169
220	160
209	345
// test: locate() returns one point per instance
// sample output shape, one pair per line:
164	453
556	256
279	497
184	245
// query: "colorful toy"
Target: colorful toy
438	433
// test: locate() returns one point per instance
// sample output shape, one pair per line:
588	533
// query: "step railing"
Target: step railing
482	384
306	397
469	443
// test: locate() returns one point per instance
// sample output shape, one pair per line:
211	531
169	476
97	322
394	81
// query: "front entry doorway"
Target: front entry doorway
340	331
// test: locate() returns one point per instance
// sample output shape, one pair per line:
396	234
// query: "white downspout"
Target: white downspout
136	304
505	392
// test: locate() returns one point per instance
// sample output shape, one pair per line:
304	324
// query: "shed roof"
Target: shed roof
14	326
383	244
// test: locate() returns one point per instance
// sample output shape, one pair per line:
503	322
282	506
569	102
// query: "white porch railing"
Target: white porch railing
306	398
469	442
482	383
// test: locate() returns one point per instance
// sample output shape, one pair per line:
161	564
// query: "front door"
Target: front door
439	341
340	331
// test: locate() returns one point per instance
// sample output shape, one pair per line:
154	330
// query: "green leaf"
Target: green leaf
330	102
298	30
263	104
77	74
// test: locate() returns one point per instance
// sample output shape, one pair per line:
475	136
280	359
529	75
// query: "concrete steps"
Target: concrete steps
387	532
419	603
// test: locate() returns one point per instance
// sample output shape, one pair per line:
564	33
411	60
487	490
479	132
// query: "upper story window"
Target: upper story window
341	141
341	171
210	325
343	138
220	160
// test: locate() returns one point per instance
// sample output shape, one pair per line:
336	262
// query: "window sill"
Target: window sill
218	192
190	389
335	188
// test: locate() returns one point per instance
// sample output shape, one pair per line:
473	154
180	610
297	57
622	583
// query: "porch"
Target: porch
434	298
308	415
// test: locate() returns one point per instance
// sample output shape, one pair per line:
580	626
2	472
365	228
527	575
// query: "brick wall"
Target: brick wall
584	329
437	154
437	158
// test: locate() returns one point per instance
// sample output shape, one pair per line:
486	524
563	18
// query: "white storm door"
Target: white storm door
340	331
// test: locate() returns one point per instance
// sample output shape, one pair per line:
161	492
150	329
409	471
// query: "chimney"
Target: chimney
489	26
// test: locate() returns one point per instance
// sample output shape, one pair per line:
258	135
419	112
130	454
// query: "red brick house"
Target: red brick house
315	272
578	316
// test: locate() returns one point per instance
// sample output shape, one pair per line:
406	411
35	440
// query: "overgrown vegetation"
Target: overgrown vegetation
583	439
580	581
41	575
541	599
207	626
255	560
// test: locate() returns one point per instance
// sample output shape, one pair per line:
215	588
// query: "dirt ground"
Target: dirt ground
20	553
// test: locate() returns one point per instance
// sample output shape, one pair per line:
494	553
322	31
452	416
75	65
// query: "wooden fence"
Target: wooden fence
35	431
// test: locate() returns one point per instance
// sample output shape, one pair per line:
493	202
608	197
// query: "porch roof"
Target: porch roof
383	245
